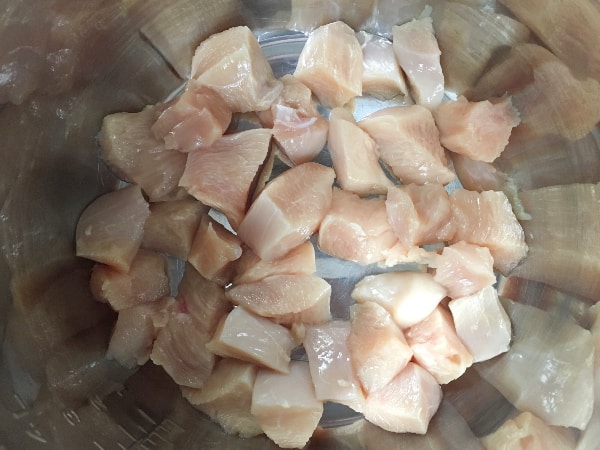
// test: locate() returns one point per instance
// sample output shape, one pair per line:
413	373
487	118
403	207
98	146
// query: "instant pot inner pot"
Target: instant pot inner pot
56	388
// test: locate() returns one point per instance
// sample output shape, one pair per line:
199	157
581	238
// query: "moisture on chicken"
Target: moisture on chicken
409	144
418	54
356	229
331	64
408	296
354	156
377	346
437	348
246	336
233	64
222	175
482	324
288	210
110	229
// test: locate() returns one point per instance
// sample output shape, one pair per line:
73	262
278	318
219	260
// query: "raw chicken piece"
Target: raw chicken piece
573	38
306	15
418	54
300	260
387	13
407	403
232	64
464	269
381	74
202	299
180	348
195	119
135	330
356	229
330	64
243	335
288	210
285	298
171	226
222	175
482	324
378	348
226	397
487	219
437	348
537	374
408	296
563	215
131	150
300	137
330	364
146	281
469	37
419	214
478	130
214	250
478	175
398	254
527	431
354	156
408	142
294	95
285	405
110	229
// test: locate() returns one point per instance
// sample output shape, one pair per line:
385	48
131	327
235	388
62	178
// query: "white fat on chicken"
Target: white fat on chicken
356	229
246	336
408	296
288	210
286	298
331	64
354	156
233	64
409	144
407	403
418	53
285	405
381	77
226	397
464	269
487	219
377	346
330	364
437	347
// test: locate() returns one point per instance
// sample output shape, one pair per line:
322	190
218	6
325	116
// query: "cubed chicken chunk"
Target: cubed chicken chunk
110	229
285	298
354	156
285	405
233	64
331	64
330	364
195	119
464	269
214	250
407	403
487	219
409	144
356	229
437	348
478	130
377	346
408	296
246	336
146	281
222	175
418	54
226	397
288	210
171	226
482	324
